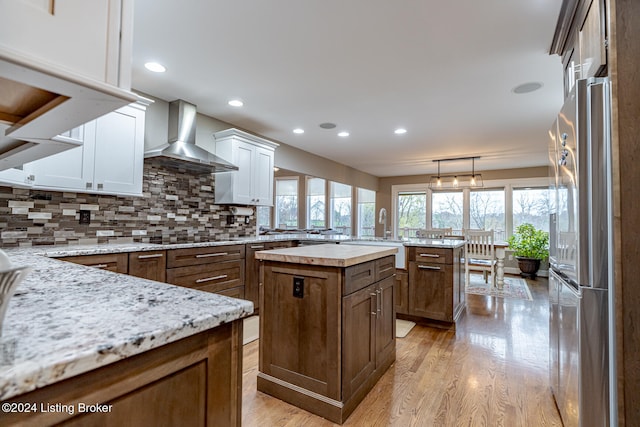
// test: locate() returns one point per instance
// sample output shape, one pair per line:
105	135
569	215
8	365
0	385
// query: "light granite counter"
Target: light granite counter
434	243
327	255
67	319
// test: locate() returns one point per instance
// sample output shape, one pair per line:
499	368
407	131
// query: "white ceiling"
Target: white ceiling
444	70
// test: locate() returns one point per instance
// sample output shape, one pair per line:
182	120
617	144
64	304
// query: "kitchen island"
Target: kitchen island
435	291
327	325
83	346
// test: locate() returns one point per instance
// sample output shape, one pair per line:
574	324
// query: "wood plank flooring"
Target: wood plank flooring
491	371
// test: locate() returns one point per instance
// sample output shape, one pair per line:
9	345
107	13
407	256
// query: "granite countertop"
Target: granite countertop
327	255
435	243
67	319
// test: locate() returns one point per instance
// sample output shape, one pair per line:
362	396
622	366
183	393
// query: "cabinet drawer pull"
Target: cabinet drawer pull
212	254
428	267
208	279
430	255
99	265
257	247
150	256
373	313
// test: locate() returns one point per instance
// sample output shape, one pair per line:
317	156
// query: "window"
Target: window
412	213
502	205
486	211
366	212
531	205
316	203
286	209
341	207
263	216
447	210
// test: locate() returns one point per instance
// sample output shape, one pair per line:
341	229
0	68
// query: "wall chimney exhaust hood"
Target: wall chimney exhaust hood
40	101
182	152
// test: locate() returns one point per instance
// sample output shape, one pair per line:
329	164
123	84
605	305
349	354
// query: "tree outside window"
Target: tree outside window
341	207
531	205
486	211
286	210
446	210
412	213
316	204
366	212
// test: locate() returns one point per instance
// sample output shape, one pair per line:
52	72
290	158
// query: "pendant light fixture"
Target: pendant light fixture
457	181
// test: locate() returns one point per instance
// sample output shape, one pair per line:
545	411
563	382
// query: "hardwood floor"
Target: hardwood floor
491	371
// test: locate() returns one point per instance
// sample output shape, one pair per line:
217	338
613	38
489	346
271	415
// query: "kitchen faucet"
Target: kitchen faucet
382	219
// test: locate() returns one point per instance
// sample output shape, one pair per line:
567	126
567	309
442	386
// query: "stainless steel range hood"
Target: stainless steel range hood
182	152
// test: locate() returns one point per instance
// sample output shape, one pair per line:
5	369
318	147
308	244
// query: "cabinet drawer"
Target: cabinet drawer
385	267
213	277
112	262
237	292
149	265
206	255
358	276
431	255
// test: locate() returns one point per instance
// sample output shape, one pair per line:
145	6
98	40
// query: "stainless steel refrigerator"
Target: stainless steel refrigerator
580	277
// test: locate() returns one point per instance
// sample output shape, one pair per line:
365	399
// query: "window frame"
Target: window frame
275	218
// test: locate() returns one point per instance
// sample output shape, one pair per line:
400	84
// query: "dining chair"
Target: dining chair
480	254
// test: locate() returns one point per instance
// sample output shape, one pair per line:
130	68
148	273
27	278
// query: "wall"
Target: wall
175	207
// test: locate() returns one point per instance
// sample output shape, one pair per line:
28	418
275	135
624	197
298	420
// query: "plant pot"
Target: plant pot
528	266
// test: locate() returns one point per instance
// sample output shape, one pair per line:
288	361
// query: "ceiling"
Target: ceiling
443	70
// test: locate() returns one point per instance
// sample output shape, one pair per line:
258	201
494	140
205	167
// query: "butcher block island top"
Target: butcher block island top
327	325
328	255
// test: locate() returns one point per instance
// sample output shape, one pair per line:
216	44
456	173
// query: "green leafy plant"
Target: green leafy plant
529	242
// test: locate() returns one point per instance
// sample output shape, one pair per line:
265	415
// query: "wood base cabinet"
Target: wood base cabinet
196	381
327	333
252	270
434	290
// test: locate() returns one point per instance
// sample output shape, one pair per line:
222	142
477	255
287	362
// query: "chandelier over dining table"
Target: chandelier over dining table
452	181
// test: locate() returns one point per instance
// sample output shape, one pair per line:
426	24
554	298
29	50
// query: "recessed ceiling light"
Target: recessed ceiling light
527	87
343	134
327	125
298	130
155	67
400	131
236	103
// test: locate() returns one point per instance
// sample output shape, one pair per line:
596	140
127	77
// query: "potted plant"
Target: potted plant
530	246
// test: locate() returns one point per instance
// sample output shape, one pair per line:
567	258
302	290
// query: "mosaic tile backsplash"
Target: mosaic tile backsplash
176	207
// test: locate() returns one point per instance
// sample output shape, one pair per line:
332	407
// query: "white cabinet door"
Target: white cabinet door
252	183
109	161
71	169
79	35
263	177
243	179
119	152
17	177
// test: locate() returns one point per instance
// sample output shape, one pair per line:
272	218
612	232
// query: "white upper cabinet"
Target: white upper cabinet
90	38
252	183
109	161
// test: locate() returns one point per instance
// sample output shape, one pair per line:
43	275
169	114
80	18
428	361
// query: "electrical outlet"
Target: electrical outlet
298	287
246	220
85	217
